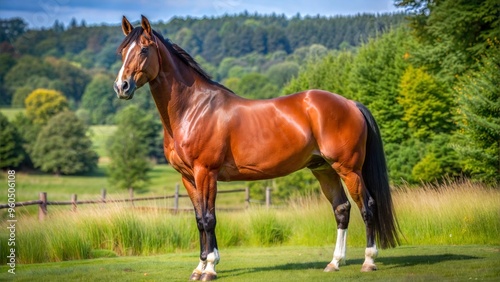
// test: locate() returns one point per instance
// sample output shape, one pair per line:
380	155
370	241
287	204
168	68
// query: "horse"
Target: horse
211	134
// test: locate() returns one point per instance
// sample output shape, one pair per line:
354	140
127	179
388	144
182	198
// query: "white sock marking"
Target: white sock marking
340	248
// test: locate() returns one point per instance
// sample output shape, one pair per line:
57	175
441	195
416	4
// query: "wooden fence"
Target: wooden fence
42	202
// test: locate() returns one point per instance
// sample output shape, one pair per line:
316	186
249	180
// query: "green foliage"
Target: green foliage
298	184
42	104
29	133
478	118
20	96
98	99
73	79
329	73
402	158
255	86
11	150
129	148
62	146
427	106
439	161
455	32
375	79
282	73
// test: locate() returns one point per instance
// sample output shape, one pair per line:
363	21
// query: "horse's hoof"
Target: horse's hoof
208	276
367	267
331	268
195	276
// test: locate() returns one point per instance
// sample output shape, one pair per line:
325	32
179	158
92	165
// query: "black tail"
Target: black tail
377	183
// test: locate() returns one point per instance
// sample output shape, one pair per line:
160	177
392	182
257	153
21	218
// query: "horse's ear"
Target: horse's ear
126	26
145	25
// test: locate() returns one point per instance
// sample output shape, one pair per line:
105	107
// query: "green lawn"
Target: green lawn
99	135
11	113
408	263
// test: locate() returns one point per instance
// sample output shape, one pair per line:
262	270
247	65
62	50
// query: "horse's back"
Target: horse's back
269	138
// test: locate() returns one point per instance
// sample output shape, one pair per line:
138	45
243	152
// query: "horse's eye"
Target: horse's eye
144	50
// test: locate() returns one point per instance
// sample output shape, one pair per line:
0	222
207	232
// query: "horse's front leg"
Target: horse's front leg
203	194
194	196
206	182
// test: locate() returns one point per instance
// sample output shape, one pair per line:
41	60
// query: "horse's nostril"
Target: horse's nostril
125	86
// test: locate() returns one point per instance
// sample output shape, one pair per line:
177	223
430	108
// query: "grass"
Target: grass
11	113
99	135
455	214
408	263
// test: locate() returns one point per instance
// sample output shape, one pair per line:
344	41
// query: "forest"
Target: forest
431	77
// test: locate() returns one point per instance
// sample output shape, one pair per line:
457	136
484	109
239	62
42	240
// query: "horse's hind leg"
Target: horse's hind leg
356	187
334	192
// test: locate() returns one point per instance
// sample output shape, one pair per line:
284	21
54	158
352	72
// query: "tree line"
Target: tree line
429	76
433	87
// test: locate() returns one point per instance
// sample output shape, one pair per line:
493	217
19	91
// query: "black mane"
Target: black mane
173	49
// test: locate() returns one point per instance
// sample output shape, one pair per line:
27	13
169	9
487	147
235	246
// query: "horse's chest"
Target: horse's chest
176	161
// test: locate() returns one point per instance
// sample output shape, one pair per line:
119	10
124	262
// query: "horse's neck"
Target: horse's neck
174	90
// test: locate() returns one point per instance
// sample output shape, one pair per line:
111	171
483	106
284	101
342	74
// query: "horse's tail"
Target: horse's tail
377	183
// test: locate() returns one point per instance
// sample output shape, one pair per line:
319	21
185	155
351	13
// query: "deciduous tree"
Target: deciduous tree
42	104
63	147
11	150
130	147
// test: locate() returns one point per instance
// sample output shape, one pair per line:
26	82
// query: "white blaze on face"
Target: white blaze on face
119	81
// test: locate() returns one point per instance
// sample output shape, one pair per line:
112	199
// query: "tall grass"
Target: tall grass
452	214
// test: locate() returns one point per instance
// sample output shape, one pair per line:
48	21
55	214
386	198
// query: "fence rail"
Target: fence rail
42	202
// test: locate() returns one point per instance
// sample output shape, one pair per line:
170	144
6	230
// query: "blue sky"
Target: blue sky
43	13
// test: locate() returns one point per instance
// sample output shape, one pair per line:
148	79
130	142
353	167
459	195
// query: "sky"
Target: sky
43	13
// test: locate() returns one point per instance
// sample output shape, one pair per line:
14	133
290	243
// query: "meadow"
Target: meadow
457	213
449	230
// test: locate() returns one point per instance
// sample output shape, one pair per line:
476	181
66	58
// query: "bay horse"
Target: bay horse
211	135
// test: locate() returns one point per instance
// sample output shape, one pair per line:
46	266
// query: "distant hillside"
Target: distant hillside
67	58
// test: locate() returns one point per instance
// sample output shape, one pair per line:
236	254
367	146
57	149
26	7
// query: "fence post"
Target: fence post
247	197
42	207
73	202
268	197
131	194
103	195
176	198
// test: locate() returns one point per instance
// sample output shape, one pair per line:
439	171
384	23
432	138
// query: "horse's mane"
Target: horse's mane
173	49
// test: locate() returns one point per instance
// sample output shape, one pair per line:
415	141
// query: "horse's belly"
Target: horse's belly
265	164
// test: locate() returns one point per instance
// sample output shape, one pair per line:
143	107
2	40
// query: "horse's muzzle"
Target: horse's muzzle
125	90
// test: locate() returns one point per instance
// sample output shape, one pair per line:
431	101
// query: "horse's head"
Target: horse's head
140	56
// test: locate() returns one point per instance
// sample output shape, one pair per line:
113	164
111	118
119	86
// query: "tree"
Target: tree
28	131
427	106
98	99
375	78
129	148
11	150
282	73
439	161
478	137
42	104
73	79
329	73
256	86
63	147
455	31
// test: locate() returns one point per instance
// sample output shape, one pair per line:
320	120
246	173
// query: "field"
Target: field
409	263
449	232
11	113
